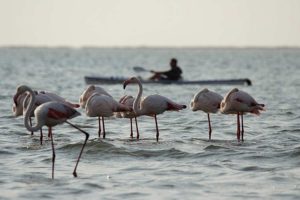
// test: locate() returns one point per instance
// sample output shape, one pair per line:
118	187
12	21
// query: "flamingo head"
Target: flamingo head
85	95
131	80
20	90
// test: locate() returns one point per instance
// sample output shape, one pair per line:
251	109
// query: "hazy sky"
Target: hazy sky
150	22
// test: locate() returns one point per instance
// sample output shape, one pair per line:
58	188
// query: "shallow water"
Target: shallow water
184	164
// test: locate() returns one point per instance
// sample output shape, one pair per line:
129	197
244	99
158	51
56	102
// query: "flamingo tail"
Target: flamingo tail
176	107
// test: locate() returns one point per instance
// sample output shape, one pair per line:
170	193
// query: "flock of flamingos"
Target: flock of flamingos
50	109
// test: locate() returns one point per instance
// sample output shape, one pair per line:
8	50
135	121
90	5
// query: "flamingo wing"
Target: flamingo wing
60	111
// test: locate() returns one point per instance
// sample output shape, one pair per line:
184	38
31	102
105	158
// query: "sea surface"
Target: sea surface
184	164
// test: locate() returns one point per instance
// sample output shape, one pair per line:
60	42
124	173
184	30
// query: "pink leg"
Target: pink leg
238	128
99	130
137	129
49	132
53	151
209	126
131	131
157	132
242	122
41	136
86	138
30	121
103	127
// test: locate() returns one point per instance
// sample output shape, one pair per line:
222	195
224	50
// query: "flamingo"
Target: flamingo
91	89
50	114
239	102
128	101
151	105
207	101
21	103
100	105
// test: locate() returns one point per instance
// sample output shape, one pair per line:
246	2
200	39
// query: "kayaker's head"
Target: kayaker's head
173	62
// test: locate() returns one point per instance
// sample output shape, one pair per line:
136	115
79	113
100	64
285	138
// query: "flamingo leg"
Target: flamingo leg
41	136
30	121
137	129
53	151
238	128
131	131
49	132
103	127
157	132
99	130
242	122
209	126
79	156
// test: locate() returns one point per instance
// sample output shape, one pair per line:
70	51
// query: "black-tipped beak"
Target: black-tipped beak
124	84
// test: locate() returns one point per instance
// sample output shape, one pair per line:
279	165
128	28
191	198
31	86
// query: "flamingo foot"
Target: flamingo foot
75	174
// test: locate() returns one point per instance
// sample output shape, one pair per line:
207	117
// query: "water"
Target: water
183	164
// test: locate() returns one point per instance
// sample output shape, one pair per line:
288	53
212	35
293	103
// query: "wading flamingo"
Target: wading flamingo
128	101
239	102
100	105
207	101
151	105
21	102
91	89
50	114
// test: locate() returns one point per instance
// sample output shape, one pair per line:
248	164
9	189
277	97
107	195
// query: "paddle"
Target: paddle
140	69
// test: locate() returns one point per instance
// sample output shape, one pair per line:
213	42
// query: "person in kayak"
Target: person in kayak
173	74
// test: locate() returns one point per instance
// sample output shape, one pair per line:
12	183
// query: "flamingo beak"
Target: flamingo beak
125	84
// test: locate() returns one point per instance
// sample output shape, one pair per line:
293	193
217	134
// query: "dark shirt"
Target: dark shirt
173	74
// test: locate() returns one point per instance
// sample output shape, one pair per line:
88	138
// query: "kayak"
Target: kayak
120	80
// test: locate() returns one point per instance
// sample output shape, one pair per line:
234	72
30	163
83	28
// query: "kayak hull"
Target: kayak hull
119	80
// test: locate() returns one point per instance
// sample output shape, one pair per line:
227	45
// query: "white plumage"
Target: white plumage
100	105
239	102
151	105
207	101
49	114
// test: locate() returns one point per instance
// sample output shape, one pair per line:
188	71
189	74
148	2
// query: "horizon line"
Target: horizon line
157	46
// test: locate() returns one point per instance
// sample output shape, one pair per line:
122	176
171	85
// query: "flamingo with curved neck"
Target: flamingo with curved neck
128	101
21	103
151	105
50	114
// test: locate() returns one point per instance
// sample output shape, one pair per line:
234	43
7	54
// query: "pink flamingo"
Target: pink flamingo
208	102
239	102
100	105
128	101
91	89
151	105
21	102
50	114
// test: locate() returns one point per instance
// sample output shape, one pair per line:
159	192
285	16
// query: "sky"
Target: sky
159	23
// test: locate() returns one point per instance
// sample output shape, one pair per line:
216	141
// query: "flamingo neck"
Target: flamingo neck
28	112
137	101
